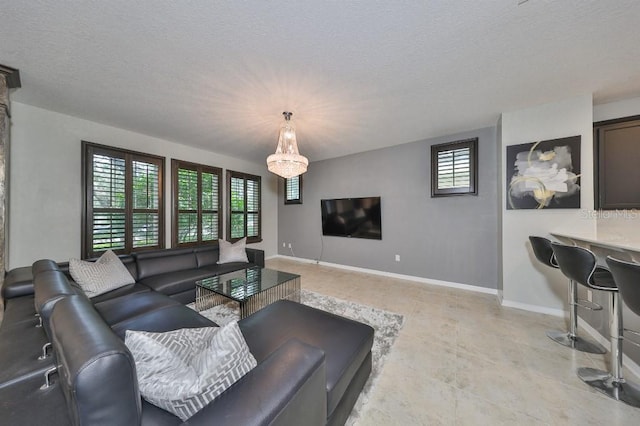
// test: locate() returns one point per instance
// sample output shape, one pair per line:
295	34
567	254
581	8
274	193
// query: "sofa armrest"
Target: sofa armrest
287	388
255	256
17	282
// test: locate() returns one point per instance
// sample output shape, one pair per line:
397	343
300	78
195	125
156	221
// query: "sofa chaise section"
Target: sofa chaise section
346	344
312	365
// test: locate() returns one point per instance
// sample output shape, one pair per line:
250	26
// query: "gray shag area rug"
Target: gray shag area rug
386	324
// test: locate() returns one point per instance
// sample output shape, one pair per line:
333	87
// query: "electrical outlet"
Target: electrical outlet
397	258
289	245
284	245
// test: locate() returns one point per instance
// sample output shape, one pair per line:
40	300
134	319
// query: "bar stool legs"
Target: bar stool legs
613	384
571	338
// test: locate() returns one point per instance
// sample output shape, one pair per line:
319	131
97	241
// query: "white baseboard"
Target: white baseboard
626	361
534	308
459	286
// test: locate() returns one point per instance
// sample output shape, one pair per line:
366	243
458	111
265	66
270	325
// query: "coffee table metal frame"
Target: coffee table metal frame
253	288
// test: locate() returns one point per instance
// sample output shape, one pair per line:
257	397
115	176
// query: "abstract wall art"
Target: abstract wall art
544	175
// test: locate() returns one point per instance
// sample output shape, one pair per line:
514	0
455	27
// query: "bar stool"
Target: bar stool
543	251
627	277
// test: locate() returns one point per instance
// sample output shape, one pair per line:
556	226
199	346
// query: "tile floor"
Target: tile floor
462	359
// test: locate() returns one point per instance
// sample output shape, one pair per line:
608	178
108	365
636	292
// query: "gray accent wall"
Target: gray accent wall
452	239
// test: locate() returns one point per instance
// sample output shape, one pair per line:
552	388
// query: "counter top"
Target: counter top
613	240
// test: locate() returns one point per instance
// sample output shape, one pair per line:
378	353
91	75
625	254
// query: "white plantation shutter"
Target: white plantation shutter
108	219
123	209
244	206
145	223
196	192
293	190
454	168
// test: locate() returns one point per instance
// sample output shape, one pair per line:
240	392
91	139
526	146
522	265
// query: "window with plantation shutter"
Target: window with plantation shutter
196	203
293	190
243	207
454	168
123	208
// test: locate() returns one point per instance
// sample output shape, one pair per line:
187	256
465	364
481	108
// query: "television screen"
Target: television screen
352	217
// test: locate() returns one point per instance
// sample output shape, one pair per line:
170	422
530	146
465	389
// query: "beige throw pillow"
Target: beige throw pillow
105	274
235	252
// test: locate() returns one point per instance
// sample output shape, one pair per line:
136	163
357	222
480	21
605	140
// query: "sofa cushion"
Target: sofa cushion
175	282
207	255
185	297
26	403
105	274
120	309
346	343
183	370
125	290
164	261
166	318
19	310
20	347
225	268
233	252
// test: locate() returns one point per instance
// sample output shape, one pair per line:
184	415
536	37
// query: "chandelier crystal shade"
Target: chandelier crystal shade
287	161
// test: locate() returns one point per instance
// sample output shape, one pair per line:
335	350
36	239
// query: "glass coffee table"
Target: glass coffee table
253	288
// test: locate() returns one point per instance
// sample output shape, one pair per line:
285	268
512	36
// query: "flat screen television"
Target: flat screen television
352	218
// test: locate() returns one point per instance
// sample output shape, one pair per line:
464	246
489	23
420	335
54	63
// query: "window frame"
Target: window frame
472	189
245	176
89	149
176	165
286	191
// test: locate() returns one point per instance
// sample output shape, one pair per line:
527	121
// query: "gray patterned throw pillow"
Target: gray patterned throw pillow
105	274
182	371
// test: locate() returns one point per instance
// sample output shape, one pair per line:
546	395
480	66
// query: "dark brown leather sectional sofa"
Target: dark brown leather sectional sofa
311	368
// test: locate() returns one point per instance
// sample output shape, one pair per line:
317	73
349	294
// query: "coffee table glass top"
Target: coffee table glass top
241	285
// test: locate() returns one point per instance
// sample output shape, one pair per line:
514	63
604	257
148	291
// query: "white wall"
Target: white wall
45	182
619	109
525	281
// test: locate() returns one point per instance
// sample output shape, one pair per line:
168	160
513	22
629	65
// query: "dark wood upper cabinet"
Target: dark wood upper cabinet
617	163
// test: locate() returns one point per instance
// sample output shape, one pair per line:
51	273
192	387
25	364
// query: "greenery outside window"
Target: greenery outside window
196	203
454	168
244	200
293	190
123	207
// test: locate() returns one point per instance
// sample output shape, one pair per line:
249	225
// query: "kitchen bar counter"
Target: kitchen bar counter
615	242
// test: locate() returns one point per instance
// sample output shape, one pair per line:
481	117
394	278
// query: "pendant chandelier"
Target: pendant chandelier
287	161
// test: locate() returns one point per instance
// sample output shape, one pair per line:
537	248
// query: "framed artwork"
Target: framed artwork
544	175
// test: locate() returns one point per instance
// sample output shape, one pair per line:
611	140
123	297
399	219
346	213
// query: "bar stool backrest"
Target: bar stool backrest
627	278
543	251
576	263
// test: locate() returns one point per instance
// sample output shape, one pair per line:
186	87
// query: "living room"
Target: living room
460	243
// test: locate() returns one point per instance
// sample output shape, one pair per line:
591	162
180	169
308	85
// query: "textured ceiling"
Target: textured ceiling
358	75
